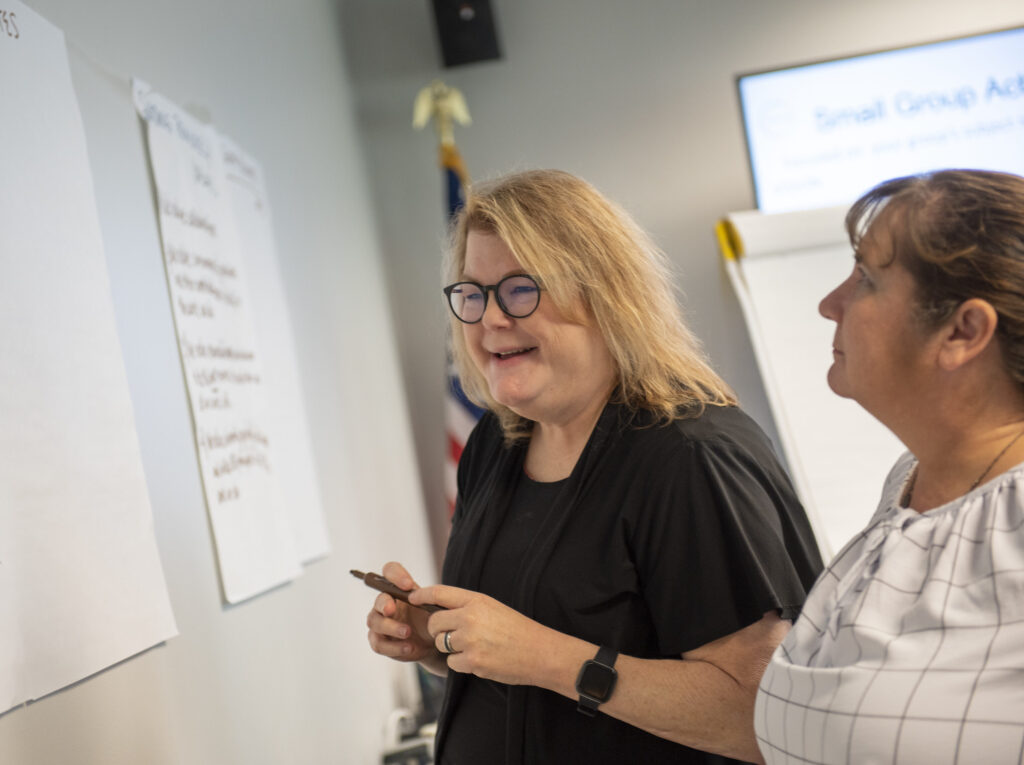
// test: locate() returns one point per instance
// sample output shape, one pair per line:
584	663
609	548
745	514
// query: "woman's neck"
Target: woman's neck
942	476
556	447
965	429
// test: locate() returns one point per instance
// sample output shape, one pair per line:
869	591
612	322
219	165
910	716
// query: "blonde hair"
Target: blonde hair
599	269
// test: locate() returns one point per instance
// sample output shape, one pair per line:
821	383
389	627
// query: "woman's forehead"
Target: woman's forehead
485	250
877	244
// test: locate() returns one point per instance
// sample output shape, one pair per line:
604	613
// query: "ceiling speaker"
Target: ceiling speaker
466	31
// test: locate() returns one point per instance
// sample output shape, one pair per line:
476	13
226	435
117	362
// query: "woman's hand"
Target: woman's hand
399	631
705	699
486	637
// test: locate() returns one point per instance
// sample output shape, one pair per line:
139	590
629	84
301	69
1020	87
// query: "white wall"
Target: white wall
638	98
286	677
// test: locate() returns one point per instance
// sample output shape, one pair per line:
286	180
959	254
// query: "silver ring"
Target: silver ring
447	642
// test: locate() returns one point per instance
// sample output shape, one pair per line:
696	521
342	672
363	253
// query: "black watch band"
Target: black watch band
596	681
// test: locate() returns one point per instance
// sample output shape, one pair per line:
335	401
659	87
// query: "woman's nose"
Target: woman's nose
493	315
830	305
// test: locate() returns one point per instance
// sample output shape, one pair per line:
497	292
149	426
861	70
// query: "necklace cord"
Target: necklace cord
992	464
909	491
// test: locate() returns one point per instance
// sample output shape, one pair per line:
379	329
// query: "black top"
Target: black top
478	730
664	538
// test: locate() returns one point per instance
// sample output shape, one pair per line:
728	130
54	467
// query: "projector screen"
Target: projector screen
821	134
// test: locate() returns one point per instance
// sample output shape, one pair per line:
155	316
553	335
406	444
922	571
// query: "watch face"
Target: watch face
596	680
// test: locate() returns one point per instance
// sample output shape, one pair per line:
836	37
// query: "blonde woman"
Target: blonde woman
626	550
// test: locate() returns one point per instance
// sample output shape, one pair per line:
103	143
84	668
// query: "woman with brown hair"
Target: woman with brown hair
625	550
910	647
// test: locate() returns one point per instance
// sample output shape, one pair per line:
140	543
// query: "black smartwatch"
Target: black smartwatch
596	681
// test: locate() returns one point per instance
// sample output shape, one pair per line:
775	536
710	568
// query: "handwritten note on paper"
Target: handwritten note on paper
81	585
223	367
286	420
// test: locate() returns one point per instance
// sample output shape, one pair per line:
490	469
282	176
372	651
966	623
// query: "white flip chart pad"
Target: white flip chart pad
838	454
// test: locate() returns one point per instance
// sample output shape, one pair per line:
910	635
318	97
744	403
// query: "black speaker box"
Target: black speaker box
466	31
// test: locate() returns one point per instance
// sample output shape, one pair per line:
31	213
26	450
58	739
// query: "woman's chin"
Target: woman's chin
516	400
837	384
516	404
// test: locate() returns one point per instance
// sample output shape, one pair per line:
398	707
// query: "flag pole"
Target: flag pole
444	106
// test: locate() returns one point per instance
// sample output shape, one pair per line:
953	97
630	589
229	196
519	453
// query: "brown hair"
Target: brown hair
599	268
960	234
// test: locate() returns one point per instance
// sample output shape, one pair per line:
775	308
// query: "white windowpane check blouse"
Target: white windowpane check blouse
910	648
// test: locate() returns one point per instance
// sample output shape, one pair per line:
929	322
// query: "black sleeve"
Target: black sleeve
723	540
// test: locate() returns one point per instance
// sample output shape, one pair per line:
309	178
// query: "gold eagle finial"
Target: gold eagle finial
446	105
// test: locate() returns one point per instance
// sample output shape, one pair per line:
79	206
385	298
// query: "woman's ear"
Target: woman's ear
967	333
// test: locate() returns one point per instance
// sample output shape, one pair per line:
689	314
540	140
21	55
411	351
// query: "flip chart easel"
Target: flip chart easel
781	266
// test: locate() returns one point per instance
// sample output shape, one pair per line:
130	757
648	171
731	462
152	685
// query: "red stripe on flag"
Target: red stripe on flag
454	449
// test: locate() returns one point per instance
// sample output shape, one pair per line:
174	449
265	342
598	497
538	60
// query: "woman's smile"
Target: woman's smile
515	353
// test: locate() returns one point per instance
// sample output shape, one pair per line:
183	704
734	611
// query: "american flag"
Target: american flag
461	414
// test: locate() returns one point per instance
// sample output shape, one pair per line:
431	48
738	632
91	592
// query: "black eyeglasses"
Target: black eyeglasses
518	296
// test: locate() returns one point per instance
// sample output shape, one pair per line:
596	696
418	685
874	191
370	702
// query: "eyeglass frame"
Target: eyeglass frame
486	289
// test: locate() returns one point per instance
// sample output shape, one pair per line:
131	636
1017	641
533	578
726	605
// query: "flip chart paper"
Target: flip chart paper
81	585
286	420
222	361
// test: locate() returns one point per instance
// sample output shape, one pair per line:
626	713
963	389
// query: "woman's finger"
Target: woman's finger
390	647
385	605
386	625
442	642
443	595
395	572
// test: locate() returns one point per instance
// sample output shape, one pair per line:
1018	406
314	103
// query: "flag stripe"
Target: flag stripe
454	448
461	414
